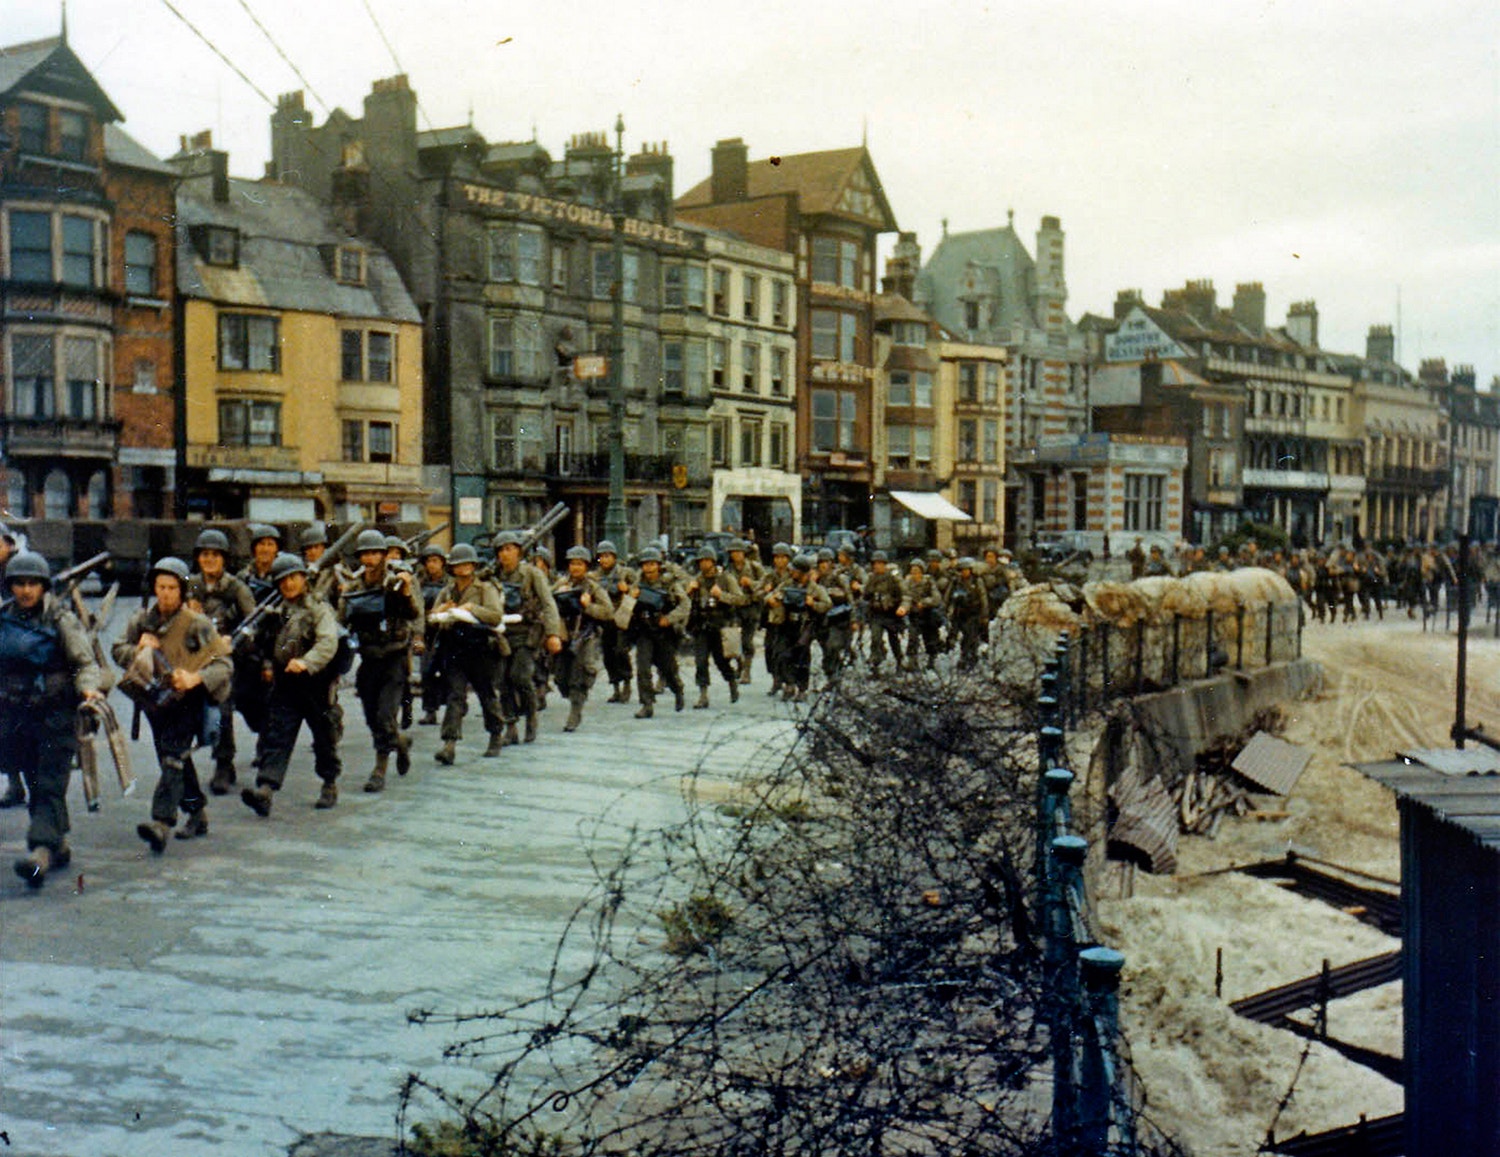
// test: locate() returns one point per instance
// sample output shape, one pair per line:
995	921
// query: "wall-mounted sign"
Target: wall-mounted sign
533	208
471	511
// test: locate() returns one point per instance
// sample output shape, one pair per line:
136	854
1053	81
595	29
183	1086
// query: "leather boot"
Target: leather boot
376	782
745	670
155	833
223	779
196	824
328	797
257	799
403	754
734	691
510	734
614	694
530	736
625	692
34	868
575	715
446	754
702	699
496	743
646	710
679	698
15	796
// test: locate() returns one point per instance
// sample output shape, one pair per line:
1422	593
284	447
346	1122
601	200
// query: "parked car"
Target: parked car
1063	546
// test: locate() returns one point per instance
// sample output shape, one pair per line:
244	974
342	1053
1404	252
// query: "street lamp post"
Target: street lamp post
614	513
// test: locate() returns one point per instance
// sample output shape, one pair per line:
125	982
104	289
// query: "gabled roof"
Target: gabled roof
818	181
50	65
120	148
284	235
989	263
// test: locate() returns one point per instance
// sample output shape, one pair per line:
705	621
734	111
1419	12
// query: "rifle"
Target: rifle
272	602
63	580
543	526
417	541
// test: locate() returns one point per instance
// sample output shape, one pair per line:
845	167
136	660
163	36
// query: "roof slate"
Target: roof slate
19	61
816	179
1005	270
120	148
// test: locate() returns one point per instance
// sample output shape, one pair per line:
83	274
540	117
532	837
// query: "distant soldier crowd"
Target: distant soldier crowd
269	643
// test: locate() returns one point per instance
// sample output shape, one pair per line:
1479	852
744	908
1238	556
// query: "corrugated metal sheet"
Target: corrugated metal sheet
1146	831
1272	763
1477	760
1468	801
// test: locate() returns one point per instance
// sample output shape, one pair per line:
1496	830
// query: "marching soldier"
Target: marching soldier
925	615
433	569
616	580
968	610
383	611
745	571
225	600
791	605
526	593
779	575
584	606
312	544
541	674
46	669
995	578
303	683
252	658
1136	556
1156	563
713	600
15	794
887	607
835	628
469	652
177	664
661	608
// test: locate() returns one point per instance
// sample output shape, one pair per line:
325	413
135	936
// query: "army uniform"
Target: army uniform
47	668
746	574
968	610
714	599
469	653
524	591
661	608
791	607
996	579
834	630
617	579
584	607
383	612
188	642
430	673
308	634
886	608
779	574
251	692
925	617
225	602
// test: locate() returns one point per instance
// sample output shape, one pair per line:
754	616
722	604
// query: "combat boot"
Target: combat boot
34	868
446	755
196	824
575	715
679	697
403	754
494	747
646	710
702	700
531	728
734	691
745	670
15	796
376	782
223	779
328	797
257	799
155	833
510	734
625	692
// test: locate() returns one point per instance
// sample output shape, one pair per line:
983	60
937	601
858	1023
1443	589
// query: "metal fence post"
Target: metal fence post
1064	1003
1101	1107
1064	680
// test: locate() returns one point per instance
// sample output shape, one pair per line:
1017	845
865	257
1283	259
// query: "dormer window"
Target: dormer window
72	135
220	245
32	120
350	265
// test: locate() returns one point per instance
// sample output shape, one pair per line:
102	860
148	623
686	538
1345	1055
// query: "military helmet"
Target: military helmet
782	548
433	549
826	555
580	553
369	540
28	565
543	553
915	563
606	547
934	556
706	552
396	542
649	554
803	562
508	538
7	533
314	535
260	530
463	552
739	544
286	564
879	556
967	563
172	566
212	540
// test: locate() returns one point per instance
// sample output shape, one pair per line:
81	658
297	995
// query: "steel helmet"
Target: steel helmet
879	556
826	555
172	566
463	552
706	552
212	540
650	554
803	562
260	530
286	564
508	538
29	565
369	540
606	547
579	553
429	550
396	542
782	548
543	553
314	535
967	563
740	545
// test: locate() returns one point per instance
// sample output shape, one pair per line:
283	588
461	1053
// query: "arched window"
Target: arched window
97	496
57	495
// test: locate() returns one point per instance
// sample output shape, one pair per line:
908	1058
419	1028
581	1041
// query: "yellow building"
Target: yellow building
302	358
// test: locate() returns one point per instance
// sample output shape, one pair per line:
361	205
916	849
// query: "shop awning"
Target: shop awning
931	506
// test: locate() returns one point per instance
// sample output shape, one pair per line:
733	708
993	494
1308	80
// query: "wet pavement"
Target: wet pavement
246	990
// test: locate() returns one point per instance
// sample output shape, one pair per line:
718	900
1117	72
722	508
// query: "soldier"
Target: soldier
779	575
835	628
745	571
253	675
178	664
395	551
7	547
15	794
584	606
713	600
433	569
541	674
616	580
790	607
225	601
925	616
383	610
1156	563
888	604
968	610
303	681
855	577
996	587
525	593
46	669
661	608
312	544
469	652
941	576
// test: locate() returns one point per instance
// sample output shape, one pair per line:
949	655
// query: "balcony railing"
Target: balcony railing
1413	477
61	437
651	468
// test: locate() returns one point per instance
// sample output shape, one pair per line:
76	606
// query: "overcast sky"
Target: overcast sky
1347	153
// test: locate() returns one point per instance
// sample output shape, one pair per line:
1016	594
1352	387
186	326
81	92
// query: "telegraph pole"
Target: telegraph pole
614	514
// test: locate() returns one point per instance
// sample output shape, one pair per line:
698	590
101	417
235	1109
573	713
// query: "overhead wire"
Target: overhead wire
214	48
266	32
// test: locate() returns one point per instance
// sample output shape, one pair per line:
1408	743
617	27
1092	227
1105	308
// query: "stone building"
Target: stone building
302	367
826	209
1470	418
86	418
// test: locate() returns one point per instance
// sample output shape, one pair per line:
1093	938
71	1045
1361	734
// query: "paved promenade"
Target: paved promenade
250	987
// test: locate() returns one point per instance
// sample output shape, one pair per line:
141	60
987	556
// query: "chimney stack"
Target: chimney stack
1125	301
1380	344
1302	323
731	171
1250	306
902	267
